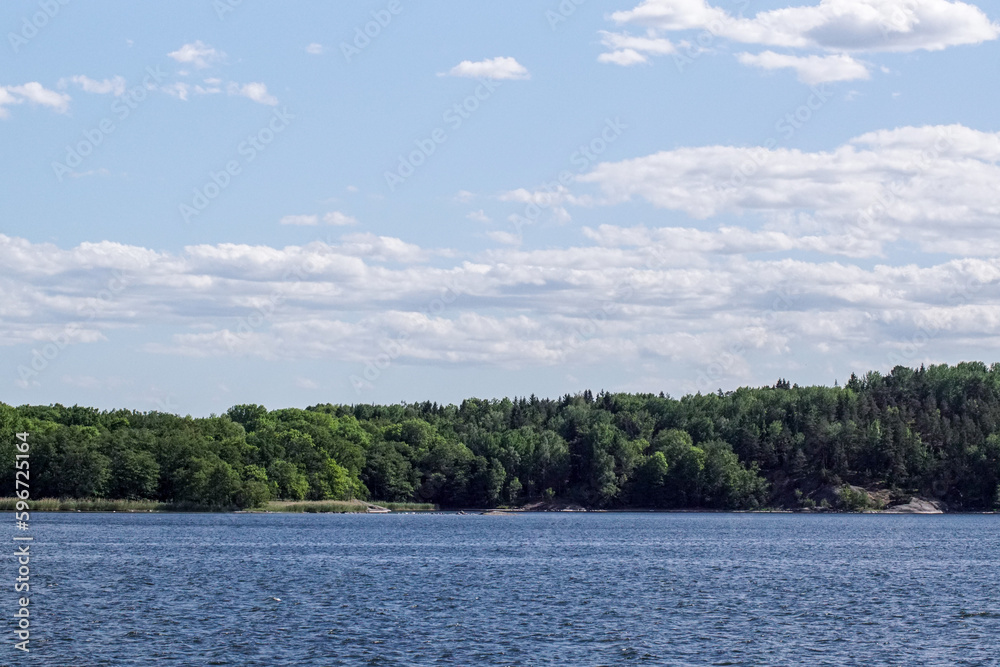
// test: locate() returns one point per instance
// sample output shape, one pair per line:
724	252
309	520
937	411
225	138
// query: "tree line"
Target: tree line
932	431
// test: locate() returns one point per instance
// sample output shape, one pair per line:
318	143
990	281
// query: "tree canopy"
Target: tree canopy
933	431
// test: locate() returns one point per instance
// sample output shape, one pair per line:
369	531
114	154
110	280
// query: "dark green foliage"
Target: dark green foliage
930	431
852	500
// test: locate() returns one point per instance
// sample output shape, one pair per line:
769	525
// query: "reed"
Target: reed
120	505
409	507
317	506
104	505
342	506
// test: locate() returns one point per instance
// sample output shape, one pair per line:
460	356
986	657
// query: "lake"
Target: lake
533	589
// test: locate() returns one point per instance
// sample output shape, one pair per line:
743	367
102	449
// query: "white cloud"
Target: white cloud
255	91
934	186
198	54
832	26
384	248
114	85
339	219
478	216
7	99
623	57
178	89
552	200
34	93
492	68
300	220
629	50
679	295
213	86
810	69
672	14
315	49
506	238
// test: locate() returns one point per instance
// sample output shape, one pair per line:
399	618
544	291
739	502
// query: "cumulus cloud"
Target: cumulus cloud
623	57
339	219
35	94
6	99
114	85
315	49
255	91
212	86
679	295
384	248
491	68
300	220
197	54
810	69
632	50
832	26
793	256
553	200
506	238
178	89
930	185
478	216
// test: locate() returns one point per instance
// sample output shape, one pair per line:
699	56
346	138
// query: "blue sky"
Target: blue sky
209	203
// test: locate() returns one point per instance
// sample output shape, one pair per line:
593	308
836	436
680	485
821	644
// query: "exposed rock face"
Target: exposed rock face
917	506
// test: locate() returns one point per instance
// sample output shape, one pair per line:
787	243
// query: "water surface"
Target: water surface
534	589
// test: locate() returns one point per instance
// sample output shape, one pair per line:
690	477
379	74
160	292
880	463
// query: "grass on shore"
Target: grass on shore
341	506
409	507
89	505
318	506
117	505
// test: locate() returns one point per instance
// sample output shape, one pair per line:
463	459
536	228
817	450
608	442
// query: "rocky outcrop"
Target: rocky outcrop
917	506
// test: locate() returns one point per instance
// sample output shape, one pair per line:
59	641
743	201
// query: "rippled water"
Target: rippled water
568	589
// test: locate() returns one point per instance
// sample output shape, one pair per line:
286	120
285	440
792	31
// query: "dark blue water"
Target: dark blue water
535	589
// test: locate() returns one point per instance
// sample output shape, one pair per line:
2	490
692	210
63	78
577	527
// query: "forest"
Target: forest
931	431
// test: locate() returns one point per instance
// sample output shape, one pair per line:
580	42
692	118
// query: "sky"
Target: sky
212	202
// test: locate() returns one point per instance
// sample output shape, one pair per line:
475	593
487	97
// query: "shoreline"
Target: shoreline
76	505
